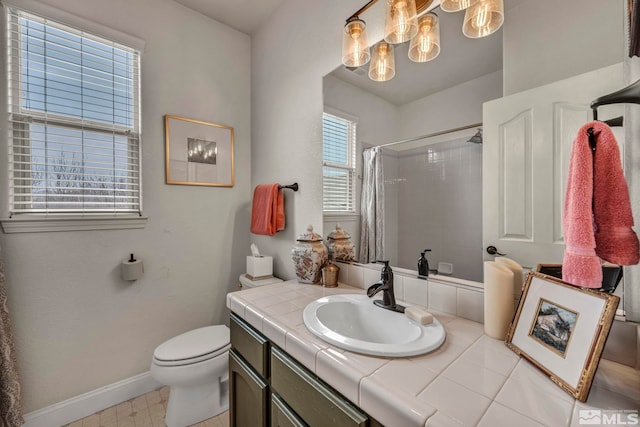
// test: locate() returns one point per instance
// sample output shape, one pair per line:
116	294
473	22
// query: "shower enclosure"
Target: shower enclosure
433	200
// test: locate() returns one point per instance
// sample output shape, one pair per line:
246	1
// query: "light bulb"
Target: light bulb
425	46
401	21
382	67
400	9
483	18
456	5
355	46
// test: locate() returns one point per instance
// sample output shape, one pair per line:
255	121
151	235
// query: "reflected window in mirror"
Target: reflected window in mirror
339	162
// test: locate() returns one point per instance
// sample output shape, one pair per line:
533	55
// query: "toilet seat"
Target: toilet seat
194	346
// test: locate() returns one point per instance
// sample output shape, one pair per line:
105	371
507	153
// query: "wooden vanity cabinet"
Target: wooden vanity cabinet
267	387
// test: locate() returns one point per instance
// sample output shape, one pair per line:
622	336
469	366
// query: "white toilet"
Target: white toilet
195	365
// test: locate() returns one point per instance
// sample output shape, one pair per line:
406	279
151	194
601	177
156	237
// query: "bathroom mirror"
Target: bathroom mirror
433	185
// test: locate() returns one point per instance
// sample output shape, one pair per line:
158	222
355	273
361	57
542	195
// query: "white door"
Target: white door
527	145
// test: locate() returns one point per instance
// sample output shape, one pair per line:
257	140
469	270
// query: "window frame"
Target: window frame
71	221
351	166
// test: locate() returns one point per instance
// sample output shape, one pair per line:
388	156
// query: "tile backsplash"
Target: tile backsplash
458	299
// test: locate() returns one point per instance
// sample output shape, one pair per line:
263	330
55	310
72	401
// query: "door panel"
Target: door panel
528	138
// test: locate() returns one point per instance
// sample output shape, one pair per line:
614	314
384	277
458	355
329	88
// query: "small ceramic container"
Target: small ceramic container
340	246
309	256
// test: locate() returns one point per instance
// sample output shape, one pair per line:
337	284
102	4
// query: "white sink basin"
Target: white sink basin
353	323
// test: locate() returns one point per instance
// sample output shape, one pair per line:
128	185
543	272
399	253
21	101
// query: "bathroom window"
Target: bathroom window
74	121
339	163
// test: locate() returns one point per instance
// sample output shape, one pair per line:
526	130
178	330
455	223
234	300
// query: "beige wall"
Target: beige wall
77	325
290	55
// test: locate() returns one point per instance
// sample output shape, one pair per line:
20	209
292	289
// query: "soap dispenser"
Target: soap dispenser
423	265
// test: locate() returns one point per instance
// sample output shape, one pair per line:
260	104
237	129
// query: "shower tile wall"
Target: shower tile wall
391	208
435	195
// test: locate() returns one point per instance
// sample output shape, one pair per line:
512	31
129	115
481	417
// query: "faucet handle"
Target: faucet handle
386	263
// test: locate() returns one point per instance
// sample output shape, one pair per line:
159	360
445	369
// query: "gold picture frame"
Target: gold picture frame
198	152
561	329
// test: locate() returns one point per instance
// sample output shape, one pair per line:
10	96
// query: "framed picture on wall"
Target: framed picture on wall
562	329
198	153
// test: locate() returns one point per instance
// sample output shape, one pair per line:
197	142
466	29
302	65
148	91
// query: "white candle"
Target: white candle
517	274
498	299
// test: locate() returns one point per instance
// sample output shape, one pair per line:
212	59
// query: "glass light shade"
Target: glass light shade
426	44
400	21
383	63
355	46
456	5
483	18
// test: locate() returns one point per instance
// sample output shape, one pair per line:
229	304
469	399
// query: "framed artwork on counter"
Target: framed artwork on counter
561	329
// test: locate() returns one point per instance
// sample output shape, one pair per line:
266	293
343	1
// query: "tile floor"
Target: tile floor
143	411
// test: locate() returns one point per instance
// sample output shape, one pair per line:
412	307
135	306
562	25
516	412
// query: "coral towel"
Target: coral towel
267	212
597	216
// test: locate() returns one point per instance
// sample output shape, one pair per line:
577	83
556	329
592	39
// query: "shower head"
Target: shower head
477	138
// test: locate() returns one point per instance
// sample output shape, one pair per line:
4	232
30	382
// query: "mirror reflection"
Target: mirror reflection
431	195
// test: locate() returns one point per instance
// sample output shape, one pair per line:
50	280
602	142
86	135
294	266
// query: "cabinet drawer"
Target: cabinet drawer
282	415
312	400
251	344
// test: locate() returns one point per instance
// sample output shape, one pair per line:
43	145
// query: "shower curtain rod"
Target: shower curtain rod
429	135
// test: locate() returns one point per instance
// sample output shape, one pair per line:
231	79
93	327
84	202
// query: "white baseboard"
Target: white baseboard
86	404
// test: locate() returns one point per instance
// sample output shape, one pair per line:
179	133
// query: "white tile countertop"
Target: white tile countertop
472	380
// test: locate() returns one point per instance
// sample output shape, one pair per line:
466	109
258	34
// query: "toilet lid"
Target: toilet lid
209	340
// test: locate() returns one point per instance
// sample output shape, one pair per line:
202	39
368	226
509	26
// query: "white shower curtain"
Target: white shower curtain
372	207
10	404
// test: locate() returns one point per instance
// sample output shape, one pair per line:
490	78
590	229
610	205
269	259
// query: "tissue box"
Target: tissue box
261	266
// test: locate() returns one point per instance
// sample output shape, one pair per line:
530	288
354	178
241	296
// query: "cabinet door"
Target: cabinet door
249	394
282	415
528	138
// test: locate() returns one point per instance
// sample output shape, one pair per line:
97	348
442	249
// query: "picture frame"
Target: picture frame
198	152
561	329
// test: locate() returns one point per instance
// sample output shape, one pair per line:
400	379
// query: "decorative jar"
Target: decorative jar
309	256
330	275
340	246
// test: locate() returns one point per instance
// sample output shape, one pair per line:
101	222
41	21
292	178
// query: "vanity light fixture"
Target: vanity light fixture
482	18
425	46
383	64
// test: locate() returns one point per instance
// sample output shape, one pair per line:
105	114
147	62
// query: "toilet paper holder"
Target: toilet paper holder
132	268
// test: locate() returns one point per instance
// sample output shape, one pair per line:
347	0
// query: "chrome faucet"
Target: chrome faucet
385	284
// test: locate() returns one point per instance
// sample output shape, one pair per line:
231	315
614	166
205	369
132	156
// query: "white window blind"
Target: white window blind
339	163
74	120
